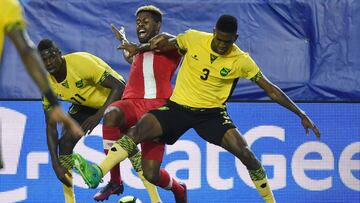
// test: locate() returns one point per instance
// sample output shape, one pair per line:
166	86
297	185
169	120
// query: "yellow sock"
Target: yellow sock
115	155
150	188
69	191
121	149
261	183
69	194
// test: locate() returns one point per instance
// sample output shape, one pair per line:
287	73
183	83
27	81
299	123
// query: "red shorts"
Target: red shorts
133	110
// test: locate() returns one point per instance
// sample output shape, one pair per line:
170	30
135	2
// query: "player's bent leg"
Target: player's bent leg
67	142
151	170
167	182
92	174
146	129
121	149
152	156
162	178
113	117
150	188
235	144
66	146
111	133
69	195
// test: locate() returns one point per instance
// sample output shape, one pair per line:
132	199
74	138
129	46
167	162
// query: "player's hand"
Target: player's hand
57	115
158	42
119	34
155	42
308	123
131	48
90	123
61	173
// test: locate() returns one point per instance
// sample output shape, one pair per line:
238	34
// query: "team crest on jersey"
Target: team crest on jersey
79	84
224	71
163	108
212	58
73	109
65	84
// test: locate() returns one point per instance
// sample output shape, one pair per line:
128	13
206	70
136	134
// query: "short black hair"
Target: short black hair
155	12
227	23
45	44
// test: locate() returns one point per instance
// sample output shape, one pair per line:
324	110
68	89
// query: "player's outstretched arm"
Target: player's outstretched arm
276	94
57	115
120	35
52	142
116	90
30	57
163	42
160	43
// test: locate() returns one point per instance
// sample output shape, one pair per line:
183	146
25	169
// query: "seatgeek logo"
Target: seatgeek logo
12	134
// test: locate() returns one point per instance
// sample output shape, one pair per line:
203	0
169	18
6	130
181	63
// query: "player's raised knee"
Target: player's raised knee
112	116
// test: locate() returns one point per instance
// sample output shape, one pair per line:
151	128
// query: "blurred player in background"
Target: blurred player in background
90	85
13	25
149	87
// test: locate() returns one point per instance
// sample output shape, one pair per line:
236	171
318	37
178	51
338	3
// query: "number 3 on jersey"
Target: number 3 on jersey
206	74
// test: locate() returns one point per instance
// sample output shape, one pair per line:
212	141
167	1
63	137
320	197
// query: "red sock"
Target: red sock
169	183
112	134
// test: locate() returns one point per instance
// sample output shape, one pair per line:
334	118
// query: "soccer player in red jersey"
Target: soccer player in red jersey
149	87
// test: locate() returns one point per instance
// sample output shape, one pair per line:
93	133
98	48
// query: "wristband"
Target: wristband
51	98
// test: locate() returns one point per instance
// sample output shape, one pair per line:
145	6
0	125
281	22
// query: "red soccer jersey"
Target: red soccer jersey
150	75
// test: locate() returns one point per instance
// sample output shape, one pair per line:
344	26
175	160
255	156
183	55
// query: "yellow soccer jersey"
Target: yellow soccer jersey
10	15
205	78
82	85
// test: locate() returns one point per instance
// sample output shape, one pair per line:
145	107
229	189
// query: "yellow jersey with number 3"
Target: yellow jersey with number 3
10	16
82	85
205	78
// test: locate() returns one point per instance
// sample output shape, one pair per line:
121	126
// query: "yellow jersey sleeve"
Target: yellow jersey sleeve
246	66
183	38
11	15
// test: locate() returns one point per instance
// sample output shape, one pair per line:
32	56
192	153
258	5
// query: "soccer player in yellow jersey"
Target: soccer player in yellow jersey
12	24
90	85
210	68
